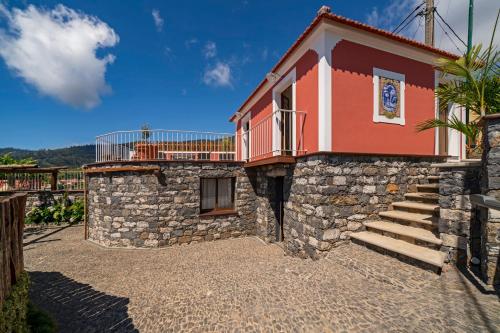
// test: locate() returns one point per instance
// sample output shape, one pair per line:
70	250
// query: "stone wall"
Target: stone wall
328	196
155	209
47	198
490	186
457	226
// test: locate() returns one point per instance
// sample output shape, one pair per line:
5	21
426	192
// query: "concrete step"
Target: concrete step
404	232
423	197
433	179
419	253
413	218
416	207
428	188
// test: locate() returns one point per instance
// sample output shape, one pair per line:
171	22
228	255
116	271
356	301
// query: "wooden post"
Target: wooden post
53	181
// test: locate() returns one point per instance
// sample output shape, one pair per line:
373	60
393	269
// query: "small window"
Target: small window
217	194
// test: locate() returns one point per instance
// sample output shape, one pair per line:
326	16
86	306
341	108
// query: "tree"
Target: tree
474	83
7	159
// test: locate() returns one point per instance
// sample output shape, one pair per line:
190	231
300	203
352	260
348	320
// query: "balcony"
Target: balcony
151	145
280	134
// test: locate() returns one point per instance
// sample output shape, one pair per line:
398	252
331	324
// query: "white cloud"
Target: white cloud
455	12
265	54
210	49
55	51
157	19
218	75
190	42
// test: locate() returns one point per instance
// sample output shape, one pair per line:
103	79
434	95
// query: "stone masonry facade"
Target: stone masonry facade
490	186
327	197
457	227
331	195
156	209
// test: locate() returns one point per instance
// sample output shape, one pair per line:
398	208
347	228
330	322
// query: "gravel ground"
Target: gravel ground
244	285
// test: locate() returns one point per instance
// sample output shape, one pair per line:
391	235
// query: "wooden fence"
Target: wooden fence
11	241
16	178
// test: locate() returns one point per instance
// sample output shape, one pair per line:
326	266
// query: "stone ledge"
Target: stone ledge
219	213
461	164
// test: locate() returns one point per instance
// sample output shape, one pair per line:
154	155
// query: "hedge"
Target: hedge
19	315
13	315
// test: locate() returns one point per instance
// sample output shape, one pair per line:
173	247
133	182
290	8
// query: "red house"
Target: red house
346	87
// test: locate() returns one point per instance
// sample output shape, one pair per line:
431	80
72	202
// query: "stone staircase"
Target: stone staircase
409	230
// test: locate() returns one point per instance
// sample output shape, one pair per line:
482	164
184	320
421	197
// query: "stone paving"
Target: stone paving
244	285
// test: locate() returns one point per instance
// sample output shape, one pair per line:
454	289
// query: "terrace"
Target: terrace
278	134
143	145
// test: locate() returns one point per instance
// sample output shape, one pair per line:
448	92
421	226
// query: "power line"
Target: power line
418	27
408	23
402	22
451	39
445	14
449	27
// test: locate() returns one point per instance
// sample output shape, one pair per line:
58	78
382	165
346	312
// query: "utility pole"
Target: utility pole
469	42
429	22
471	21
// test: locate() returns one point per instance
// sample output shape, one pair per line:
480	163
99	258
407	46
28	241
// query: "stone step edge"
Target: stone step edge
430	185
422	195
416	205
428	188
409	217
431	257
404	230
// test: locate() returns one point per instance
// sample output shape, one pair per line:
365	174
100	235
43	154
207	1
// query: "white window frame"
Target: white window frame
378	118
289	79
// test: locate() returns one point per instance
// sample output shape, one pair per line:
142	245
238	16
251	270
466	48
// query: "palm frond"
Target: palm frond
470	130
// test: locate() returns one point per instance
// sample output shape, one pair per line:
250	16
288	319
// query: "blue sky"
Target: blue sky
171	64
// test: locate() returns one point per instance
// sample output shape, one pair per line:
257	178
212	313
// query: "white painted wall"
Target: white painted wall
456	141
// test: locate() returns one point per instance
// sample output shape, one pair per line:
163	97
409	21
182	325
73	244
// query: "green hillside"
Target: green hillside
74	156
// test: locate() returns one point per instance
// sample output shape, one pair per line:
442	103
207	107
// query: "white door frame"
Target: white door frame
289	79
456	140
247	135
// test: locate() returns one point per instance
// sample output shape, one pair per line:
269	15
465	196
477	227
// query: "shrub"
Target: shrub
63	210
39	321
13	315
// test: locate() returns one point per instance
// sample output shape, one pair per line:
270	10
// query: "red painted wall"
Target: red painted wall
307	98
307	101
353	129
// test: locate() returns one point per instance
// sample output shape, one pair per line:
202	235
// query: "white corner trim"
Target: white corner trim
377	118
437	75
323	45
246	118
289	79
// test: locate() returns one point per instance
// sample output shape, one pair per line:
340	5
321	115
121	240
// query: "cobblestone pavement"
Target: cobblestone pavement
243	285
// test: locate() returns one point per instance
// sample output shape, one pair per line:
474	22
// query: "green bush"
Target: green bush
39	321
19	315
13	315
7	159
63	210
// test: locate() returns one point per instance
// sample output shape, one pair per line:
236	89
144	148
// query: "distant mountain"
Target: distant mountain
74	156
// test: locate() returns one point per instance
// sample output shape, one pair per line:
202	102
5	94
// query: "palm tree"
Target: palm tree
474	84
